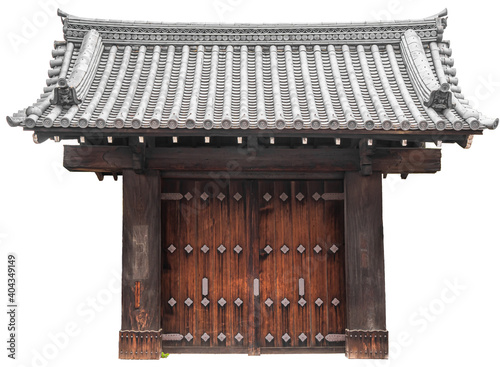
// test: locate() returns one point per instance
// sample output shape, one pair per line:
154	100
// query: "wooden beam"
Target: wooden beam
237	160
365	280
141	259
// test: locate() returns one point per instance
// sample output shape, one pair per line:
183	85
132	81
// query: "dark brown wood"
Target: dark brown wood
268	213
365	281
334	349
254	312
233	161
367	344
141	250
334	224
396	135
139	344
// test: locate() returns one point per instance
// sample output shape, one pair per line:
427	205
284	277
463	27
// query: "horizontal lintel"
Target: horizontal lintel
254	161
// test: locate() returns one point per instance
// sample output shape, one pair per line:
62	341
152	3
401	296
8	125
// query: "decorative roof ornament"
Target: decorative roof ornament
440	99
64	95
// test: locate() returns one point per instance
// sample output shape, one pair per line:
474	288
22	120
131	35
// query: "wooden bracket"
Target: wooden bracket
140	344
366	151
366	344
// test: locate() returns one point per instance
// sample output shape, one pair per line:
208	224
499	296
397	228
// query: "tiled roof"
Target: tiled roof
272	76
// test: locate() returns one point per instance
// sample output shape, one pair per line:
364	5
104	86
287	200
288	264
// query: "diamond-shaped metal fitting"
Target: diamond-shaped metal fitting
319	337
205	337
221	248
283	197
316	196
317	249
268	249
204	196
285	337
302	337
188	197
300	196
205	249
238	337
267	196
205	301
269	337
171	248
188	248
318	302
237	196
335	302
221	196
172	302
188	337
334	249
269	302
188	301
221	337
301	249
222	302
302	302
284	249
238	302
237	249
285	302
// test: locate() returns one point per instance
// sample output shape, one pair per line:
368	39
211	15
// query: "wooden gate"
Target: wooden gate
253	266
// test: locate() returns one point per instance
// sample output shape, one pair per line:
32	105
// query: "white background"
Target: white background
66	227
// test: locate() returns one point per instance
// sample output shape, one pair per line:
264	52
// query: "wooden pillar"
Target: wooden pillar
366	334
140	334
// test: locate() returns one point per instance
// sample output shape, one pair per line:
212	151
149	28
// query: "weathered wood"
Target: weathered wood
365	281
334	349
141	251
254	215
233	160
334	224
144	344
367	344
268	273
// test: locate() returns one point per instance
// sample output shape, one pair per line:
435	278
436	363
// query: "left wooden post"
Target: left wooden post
140	334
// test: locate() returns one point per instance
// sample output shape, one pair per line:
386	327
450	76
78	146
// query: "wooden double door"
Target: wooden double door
253	266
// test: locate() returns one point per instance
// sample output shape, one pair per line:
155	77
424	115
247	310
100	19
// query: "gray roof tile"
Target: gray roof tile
275	76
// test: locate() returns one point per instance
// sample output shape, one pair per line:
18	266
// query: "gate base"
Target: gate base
139	344
365	344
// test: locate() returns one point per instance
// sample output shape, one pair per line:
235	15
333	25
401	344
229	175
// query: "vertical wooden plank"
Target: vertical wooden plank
317	264
223	231
300	234
213	240
187	267
171	250
267	263
238	266
365	282
141	250
287	282
204	264
334	225
254	326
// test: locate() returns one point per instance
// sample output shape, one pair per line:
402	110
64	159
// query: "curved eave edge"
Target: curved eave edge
424	79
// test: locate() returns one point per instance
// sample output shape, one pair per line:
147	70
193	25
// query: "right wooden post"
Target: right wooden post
366	334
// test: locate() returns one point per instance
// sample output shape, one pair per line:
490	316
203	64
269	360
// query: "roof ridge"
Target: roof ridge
157	33
434	17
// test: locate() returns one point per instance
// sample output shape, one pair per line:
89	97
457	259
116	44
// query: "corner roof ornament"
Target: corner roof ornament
440	99
64	95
